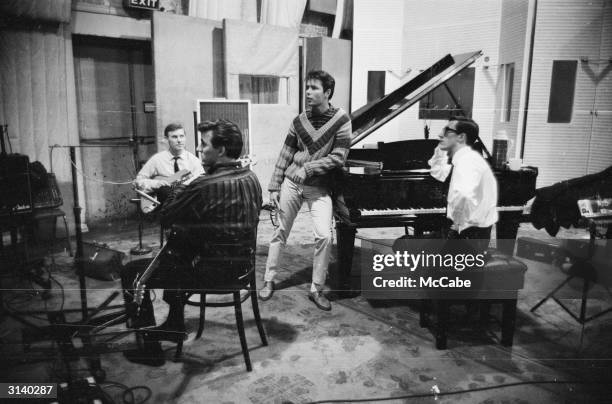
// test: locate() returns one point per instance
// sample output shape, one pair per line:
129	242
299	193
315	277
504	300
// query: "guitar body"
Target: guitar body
149	202
149	205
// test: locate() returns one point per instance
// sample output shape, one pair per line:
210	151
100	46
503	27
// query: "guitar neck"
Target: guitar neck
152	266
177	176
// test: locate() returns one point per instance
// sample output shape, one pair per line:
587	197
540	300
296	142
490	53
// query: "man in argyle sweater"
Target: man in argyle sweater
317	143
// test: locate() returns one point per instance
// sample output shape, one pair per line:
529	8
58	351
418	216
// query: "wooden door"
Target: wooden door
114	79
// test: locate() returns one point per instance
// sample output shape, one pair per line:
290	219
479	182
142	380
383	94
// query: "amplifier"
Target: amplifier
15	190
537	250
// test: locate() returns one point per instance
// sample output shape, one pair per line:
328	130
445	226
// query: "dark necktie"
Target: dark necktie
176	167
448	180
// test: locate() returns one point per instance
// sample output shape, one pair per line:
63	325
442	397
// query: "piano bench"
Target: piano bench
504	276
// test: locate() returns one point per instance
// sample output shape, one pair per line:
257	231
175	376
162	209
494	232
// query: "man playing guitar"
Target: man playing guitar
220	205
154	176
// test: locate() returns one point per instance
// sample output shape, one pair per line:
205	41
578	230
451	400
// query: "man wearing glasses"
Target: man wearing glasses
472	193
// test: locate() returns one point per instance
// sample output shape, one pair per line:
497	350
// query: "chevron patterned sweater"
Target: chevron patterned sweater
314	146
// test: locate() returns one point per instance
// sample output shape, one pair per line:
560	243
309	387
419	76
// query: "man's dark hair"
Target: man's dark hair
326	79
467	126
172	127
224	133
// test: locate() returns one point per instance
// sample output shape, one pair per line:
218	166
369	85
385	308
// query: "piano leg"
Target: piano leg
439	329
508	321
507	228
346	245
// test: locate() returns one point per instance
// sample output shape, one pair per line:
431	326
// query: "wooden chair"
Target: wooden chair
227	267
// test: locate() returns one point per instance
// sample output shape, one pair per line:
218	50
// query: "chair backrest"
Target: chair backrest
222	261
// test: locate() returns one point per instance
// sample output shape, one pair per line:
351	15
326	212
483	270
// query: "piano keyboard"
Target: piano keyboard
427	211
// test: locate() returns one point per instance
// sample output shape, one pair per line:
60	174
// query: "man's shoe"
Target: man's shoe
166	332
267	291
151	355
320	300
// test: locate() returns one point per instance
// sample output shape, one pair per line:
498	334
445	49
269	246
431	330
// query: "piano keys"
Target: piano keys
420	211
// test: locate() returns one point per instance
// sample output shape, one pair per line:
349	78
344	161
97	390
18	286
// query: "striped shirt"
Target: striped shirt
224	202
315	146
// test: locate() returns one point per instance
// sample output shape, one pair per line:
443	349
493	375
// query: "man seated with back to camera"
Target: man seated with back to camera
223	204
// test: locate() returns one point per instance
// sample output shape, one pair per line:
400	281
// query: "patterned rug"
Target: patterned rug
360	350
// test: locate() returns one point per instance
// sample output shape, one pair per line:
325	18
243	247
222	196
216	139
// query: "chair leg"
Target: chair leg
508	321
485	309
202	315
67	236
262	332
423	313
179	349
442	307
240	324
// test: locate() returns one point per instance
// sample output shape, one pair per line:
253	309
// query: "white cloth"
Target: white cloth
260	49
286	13
472	193
162	165
440	168
319	202
245	10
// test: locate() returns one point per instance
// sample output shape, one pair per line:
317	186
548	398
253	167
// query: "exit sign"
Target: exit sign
146	4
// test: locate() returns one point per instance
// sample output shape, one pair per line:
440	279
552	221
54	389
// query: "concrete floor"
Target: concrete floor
360	350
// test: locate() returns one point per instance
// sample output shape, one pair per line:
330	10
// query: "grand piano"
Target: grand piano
390	186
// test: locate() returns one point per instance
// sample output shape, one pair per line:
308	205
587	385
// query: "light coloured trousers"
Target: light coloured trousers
292	196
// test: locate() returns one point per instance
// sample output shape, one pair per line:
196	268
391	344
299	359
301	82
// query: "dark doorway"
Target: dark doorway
116	112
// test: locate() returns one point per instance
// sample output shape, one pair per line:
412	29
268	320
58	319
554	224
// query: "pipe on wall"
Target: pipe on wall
526	78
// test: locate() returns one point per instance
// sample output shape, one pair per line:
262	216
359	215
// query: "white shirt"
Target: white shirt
162	165
472	194
439	165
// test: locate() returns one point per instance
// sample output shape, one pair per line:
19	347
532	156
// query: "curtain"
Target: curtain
259	49
245	10
37	96
259	89
36	79
40	10
286	13
344	17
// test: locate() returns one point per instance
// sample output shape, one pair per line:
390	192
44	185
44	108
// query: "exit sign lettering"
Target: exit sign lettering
146	4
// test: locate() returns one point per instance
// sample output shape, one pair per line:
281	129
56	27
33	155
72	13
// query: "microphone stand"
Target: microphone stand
89	325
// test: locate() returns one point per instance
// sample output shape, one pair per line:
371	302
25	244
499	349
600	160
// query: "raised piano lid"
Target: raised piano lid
375	114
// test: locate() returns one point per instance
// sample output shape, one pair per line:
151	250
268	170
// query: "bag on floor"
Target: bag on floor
101	262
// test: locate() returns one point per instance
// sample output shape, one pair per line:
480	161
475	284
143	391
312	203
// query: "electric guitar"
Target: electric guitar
149	201
139	285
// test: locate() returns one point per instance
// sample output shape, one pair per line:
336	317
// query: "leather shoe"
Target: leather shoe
267	291
166	333
151	355
319	300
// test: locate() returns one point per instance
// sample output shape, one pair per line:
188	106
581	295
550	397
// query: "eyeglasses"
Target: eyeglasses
449	130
